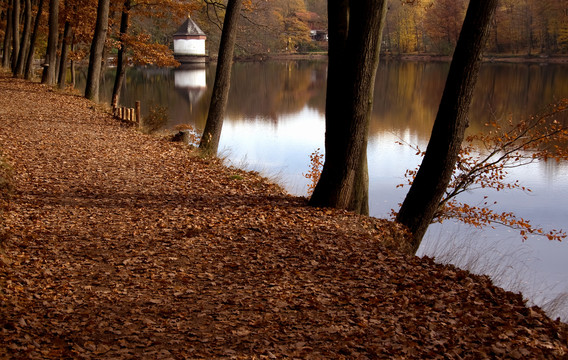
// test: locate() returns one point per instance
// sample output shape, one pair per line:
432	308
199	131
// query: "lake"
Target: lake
275	120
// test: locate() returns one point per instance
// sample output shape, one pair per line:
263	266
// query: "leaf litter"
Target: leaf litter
124	246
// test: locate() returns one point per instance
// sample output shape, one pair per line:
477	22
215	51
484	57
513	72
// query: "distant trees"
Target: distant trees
524	27
71	29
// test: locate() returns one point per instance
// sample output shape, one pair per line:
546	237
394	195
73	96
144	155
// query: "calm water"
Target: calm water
275	119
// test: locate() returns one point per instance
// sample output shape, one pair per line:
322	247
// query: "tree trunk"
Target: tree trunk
355	32
58	61
96	56
25	43
121	61
15	33
48	76
212	132
64	54
28	72
72	65
423	198
7	38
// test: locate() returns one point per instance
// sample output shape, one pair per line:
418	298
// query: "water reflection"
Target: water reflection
275	119
191	83
406	95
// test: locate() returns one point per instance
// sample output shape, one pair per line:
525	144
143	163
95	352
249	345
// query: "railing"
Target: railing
128	114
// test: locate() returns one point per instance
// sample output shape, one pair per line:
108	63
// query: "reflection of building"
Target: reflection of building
191	81
189	43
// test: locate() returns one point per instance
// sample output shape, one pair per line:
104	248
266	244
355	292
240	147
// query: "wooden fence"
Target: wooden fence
128	114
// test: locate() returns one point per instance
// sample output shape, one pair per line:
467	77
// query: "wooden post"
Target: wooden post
137	107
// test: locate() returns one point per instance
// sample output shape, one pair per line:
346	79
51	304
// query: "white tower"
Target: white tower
189	43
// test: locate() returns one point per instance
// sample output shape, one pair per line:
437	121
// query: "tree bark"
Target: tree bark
7	38
48	76
423	198
28	72
97	48
25	42
15	33
72	64
64	55
121	61
355	32
58	56
214	124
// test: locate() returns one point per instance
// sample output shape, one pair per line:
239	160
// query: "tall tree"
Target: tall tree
67	34
25	43
212	132
97	48
49	70
355	31
7	37
31	51
121	63
434	175
15	32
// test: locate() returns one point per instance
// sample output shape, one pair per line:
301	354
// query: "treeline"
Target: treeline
519	27
143	29
150	24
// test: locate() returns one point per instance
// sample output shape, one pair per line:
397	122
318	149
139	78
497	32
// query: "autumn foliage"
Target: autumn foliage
316	165
5	191
484	162
127	246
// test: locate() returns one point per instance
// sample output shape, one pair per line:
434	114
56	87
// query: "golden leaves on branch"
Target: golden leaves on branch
316	165
485	159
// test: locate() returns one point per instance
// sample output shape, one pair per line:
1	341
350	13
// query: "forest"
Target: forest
521	28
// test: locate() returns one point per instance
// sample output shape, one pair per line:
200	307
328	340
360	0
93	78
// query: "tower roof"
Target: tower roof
189	27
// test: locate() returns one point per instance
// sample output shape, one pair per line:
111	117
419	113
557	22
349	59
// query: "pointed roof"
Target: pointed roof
189	27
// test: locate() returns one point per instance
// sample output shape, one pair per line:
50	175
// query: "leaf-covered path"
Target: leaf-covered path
127	246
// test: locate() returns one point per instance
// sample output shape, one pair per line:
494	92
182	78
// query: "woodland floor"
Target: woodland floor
128	246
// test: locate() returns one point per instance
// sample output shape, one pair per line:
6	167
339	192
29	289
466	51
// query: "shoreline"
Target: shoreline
489	58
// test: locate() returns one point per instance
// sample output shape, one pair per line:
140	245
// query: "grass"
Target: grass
156	119
505	267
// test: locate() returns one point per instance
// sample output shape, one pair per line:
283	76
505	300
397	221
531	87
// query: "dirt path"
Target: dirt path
125	246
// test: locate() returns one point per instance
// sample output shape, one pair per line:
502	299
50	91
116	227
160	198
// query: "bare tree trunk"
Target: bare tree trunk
423	198
28	72
97	48
64	54
72	65
25	43
212	132
121	61
48	76
7	38
58	61
15	33
355	32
